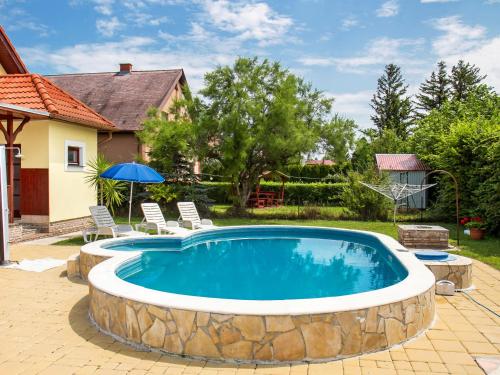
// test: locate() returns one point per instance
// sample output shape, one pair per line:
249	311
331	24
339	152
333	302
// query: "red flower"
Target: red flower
476	218
462	222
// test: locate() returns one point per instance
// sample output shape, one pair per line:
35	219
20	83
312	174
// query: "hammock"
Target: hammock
397	192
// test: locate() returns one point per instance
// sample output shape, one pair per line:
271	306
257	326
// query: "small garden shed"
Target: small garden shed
405	169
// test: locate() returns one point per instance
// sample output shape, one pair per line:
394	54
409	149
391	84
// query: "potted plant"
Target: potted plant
477	229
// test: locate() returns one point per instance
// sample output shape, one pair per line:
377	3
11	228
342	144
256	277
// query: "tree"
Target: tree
435	91
464	78
338	137
258	117
371	143
463	137
110	193
392	108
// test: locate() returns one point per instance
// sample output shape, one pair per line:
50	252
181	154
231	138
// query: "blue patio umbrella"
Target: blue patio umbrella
132	172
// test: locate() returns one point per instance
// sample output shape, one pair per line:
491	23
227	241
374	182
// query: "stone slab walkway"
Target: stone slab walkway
52	239
44	329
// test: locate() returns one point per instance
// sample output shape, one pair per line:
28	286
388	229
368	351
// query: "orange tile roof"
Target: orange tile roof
36	92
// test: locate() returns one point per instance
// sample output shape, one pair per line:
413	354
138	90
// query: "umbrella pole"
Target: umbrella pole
130	202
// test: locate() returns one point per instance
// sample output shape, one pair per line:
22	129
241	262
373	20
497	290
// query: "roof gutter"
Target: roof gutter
23	110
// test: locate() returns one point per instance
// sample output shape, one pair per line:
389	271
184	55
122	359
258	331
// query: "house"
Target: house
56	135
405	169
320	162
124	97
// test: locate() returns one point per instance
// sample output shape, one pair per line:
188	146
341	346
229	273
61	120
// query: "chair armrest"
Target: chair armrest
207	222
187	224
123	228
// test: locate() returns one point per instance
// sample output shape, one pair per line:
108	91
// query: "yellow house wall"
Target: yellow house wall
2	70
69	195
34	141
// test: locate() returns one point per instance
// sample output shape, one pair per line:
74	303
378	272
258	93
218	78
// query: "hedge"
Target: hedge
295	192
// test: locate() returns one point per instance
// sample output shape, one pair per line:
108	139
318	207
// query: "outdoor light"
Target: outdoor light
18	155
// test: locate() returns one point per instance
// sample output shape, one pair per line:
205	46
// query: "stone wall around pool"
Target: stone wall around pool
87	261
256	338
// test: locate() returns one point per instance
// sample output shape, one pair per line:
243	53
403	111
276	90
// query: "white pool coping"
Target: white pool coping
103	277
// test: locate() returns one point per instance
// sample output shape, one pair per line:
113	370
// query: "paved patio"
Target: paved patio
45	330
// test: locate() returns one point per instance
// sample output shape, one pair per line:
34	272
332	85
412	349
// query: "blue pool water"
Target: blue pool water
263	263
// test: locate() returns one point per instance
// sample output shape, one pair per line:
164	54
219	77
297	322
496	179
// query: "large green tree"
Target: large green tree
464	78
463	137
393	109
338	138
258	116
435	91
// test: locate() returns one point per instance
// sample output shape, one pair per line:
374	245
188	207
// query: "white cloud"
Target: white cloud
248	20
349	22
389	8
144	53
354	105
108	26
15	18
437	1
143	19
379	51
460	41
457	37
104	7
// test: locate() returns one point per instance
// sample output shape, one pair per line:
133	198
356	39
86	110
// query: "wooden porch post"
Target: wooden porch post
10	137
10	166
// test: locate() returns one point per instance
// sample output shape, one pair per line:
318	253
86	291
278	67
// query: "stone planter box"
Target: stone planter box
458	271
423	236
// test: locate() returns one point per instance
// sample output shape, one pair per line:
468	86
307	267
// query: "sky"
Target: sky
340	46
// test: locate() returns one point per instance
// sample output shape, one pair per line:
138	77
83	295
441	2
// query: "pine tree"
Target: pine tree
392	108
435	91
464	78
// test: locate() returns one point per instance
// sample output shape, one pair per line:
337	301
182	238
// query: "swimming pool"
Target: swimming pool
303	263
261	293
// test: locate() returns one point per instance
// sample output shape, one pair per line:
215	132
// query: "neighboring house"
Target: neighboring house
405	169
124	97
320	162
56	135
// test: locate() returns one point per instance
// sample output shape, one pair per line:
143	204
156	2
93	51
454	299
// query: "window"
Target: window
74	155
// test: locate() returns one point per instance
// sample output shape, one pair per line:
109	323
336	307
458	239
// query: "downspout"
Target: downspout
109	138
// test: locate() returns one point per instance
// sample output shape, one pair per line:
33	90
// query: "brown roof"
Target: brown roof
34	92
320	162
9	58
122	98
400	162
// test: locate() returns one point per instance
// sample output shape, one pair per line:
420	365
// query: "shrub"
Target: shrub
364	202
295	192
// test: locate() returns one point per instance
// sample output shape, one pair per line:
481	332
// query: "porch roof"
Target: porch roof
32	92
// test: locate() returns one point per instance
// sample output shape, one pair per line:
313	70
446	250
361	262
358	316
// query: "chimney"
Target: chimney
125	68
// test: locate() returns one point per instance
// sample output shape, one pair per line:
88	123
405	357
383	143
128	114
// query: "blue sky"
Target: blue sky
340	46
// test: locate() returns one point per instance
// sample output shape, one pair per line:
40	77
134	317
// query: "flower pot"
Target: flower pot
476	233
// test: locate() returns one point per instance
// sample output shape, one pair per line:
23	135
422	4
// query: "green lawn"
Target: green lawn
487	250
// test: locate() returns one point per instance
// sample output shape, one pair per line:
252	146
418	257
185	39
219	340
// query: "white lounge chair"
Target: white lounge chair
189	217
105	225
155	220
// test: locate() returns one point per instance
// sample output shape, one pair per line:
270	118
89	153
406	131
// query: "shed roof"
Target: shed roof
123	98
34	92
400	162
